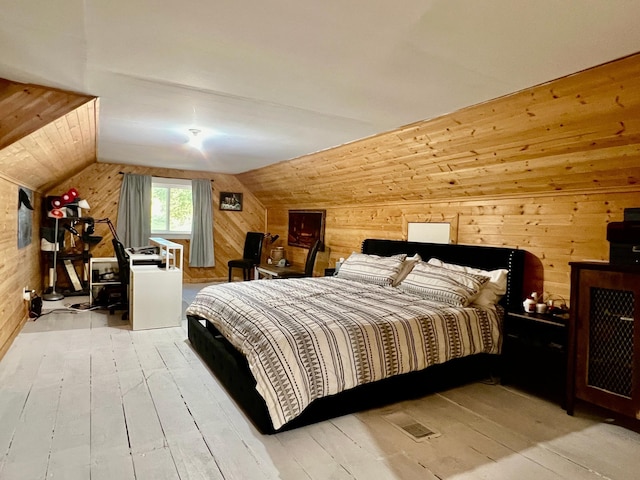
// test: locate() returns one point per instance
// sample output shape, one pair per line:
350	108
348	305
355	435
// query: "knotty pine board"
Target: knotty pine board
27	108
554	230
544	169
574	138
100	183
46	134
18	267
570	135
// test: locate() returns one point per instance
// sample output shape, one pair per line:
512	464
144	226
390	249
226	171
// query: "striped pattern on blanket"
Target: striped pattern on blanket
312	337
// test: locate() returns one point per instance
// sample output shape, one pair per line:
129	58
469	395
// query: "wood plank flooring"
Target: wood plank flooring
84	397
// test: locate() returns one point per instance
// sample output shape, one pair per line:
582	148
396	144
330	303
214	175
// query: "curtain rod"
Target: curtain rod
159	176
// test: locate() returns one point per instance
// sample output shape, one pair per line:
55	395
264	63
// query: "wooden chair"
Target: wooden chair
250	257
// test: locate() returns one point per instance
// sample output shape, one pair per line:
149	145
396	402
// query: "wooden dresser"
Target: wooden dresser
604	337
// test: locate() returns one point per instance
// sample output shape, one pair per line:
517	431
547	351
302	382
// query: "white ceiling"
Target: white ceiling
272	80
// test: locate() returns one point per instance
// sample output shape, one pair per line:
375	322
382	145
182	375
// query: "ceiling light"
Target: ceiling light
194	139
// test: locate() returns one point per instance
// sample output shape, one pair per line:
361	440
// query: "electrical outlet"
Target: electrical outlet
26	294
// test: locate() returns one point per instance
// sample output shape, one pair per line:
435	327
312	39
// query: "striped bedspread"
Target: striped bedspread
312	337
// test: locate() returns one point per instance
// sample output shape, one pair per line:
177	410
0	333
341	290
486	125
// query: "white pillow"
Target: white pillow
372	268
492	291
407	266
442	285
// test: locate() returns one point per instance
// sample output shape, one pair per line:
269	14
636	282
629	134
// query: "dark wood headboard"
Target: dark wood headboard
486	258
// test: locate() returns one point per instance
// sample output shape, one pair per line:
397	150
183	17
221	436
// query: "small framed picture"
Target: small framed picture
231	201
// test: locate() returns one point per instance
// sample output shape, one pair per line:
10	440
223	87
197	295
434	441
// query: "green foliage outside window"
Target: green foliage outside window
181	210
171	209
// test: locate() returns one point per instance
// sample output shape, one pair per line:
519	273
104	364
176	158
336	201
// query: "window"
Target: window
171	207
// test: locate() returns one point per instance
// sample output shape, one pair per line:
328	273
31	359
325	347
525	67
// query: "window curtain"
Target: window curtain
134	210
201	250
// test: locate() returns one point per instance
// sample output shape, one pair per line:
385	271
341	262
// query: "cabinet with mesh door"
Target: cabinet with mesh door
604	337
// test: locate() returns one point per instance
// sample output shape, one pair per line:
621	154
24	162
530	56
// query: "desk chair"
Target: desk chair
308	264
124	273
250	257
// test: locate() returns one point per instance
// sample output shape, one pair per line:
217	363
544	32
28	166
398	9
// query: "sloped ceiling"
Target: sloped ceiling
46	135
574	135
270	81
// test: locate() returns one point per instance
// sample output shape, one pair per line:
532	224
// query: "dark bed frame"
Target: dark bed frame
231	369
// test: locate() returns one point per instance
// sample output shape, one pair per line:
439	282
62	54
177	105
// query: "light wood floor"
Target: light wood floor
84	397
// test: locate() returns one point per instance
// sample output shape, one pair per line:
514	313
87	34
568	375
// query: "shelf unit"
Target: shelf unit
73	262
99	268
74	266
170	252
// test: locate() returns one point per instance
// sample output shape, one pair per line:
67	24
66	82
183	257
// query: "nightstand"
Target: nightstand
534	353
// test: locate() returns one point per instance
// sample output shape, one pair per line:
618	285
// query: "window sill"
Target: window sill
172	236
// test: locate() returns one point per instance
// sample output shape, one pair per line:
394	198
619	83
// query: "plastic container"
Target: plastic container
529	305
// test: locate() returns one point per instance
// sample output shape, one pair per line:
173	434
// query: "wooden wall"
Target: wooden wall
45	135
19	268
544	170
100	184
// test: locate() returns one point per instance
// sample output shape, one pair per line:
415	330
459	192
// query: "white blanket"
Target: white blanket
312	337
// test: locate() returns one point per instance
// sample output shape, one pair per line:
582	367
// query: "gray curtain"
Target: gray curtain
201	250
134	210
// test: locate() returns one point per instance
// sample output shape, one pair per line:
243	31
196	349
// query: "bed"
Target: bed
359	344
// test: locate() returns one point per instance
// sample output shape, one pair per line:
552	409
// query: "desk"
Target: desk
273	271
143	258
155	291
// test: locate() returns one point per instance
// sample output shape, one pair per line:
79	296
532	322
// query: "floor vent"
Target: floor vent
410	426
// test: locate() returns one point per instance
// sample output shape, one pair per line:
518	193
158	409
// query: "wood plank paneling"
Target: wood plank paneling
544	169
45	134
554	230
19	268
27	108
100	184
572	134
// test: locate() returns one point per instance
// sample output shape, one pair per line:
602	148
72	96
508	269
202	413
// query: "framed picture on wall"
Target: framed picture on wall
25	216
305	227
231	201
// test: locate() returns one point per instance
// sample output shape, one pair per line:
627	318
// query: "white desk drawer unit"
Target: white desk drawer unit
155	292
